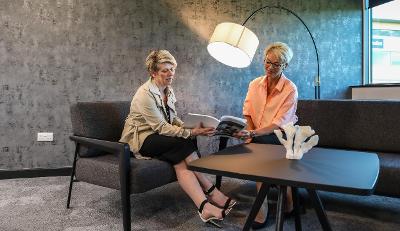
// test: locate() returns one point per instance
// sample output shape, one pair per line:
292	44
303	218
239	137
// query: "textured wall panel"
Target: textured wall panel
54	53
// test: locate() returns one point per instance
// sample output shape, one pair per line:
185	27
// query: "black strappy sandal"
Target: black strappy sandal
227	205
211	220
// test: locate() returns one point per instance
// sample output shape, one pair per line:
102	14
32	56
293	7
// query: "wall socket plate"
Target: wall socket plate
45	136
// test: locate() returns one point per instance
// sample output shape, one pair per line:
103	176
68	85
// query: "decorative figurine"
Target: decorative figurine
296	136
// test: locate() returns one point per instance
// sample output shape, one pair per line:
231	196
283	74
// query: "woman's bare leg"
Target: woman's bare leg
189	183
204	181
216	196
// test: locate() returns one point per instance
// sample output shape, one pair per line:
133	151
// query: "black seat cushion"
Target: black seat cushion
389	175
145	174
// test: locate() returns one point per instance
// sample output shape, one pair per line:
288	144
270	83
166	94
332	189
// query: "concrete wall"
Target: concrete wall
56	52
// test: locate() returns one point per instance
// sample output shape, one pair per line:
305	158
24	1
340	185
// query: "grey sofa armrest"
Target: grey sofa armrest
104	145
122	149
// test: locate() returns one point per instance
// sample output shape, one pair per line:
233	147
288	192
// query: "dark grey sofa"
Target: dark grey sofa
344	124
359	125
101	160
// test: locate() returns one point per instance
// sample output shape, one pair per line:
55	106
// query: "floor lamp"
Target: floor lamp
235	45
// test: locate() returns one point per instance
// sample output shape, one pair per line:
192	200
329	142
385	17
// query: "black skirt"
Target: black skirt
167	148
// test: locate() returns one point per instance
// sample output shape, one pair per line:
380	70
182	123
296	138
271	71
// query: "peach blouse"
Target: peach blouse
279	108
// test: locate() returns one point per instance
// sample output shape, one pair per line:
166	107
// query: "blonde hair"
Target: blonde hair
281	50
157	57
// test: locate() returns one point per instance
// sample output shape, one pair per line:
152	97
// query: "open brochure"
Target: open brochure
226	126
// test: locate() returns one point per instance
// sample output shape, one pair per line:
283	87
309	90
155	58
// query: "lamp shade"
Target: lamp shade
233	44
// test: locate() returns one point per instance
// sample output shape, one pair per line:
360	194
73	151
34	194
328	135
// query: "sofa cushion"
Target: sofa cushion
100	120
353	124
145	174
389	175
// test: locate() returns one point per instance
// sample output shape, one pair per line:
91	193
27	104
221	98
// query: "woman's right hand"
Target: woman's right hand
243	134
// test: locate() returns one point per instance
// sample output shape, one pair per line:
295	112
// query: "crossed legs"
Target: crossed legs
171	149
193	184
216	196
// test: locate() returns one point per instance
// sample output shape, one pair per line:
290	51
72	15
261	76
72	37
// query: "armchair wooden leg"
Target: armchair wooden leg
72	174
124	174
126	209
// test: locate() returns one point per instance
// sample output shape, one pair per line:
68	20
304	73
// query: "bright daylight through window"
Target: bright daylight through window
386	43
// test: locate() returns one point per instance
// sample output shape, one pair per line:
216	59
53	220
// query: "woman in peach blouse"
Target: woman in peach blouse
270	103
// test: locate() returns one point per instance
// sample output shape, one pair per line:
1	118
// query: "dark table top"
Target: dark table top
321	168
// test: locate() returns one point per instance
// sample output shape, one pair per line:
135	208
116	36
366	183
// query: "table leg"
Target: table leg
280	208
319	209
223	141
297	219
218	180
256	206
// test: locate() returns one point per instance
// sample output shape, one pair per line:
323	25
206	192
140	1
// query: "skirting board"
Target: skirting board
36	172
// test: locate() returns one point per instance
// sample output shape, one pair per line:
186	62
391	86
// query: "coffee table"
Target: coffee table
324	169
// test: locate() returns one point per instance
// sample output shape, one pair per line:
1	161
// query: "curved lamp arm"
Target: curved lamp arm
317	79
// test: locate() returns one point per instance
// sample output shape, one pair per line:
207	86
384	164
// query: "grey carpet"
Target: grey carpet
40	204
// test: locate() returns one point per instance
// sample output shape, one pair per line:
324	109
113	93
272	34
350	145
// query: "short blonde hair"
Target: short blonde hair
281	50
157	57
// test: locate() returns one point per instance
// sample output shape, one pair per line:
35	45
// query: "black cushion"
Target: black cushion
353	124
100	120
105	121
145	174
389	175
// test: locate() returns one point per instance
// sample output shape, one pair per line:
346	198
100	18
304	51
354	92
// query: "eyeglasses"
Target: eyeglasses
274	65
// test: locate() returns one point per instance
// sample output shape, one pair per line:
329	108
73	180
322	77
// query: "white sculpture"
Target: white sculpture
295	137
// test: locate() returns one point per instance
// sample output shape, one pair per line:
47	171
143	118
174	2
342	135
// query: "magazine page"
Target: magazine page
239	121
192	120
227	127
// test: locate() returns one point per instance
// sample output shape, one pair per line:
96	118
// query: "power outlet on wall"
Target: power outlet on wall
45	136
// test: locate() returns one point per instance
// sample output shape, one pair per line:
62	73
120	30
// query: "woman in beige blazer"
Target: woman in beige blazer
152	129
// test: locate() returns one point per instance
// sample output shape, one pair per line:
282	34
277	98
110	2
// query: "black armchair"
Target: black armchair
101	160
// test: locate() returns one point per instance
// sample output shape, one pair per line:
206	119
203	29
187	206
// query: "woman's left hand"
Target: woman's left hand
202	131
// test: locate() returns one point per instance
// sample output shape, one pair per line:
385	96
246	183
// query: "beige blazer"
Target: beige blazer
148	115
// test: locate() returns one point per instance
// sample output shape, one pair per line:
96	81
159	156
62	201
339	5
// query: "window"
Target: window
385	43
